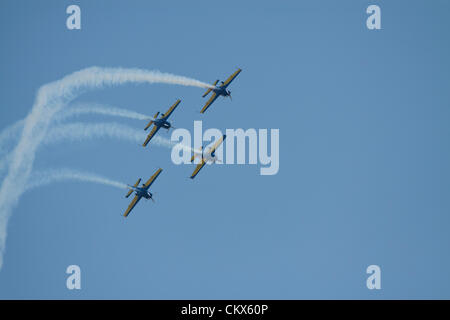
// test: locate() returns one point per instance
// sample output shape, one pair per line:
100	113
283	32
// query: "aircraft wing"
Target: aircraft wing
210	101
150	135
153	177
217	144
172	108
132	205
198	168
231	78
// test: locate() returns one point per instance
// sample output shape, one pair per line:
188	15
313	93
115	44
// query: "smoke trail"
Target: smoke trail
50	99
95	108
42	178
8	137
79	131
82	131
4	162
11	134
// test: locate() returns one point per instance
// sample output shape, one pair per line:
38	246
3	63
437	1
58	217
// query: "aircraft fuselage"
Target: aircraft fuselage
221	91
143	193
209	157
163	123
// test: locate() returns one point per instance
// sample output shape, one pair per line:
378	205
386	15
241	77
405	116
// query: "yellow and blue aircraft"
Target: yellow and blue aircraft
220	90
208	156
160	122
140	192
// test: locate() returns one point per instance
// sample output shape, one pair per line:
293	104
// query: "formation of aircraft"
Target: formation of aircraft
205	156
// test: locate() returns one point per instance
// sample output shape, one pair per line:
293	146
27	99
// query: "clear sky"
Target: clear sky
364	151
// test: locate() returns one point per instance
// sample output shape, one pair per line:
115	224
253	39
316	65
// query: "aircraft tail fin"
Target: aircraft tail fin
195	155
131	190
209	90
151	121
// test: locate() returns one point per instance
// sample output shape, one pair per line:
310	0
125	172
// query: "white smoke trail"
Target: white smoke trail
50	99
78	131
95	108
11	134
42	178
8	137
4	163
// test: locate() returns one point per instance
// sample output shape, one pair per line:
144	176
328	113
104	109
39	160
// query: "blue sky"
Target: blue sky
364	152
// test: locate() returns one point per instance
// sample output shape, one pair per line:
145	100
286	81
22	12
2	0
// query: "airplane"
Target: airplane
220	90
160	123
141	192
208	156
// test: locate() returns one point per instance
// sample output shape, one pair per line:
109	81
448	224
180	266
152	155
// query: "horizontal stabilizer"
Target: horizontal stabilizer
151	121
137	183
209	90
131	190
195	155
